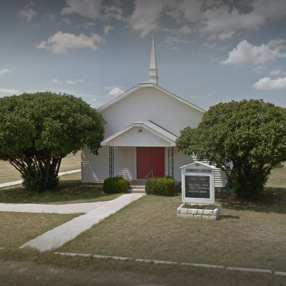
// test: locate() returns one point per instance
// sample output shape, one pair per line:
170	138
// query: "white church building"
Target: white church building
140	135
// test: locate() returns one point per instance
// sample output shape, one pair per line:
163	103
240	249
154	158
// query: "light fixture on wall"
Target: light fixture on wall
140	130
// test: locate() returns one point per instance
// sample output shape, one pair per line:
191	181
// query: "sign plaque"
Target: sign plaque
198	183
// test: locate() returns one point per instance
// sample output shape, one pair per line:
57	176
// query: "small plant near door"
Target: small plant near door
115	185
160	186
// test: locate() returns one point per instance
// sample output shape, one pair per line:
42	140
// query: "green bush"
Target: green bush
40	185
115	185
160	186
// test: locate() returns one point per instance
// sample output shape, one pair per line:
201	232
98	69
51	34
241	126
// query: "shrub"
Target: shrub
40	185
115	185
160	186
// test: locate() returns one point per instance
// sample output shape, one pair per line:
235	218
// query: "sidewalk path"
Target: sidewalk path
9	184
60	235
55	209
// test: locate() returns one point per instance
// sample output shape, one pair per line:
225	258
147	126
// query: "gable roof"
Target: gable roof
142	85
148	125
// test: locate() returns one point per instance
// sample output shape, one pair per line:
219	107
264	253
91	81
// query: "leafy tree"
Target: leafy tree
38	130
245	139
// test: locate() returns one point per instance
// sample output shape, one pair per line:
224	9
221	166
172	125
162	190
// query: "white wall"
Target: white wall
125	162
144	138
179	161
94	168
149	103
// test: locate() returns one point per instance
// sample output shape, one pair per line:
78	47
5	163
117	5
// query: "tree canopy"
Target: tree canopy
38	130
246	139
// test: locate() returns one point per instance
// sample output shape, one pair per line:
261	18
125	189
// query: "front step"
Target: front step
137	189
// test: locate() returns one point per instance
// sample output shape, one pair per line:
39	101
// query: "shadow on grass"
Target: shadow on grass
68	191
229	217
273	200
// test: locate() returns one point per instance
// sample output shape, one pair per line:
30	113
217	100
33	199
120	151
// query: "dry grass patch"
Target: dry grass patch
18	228
48	270
149	228
9	174
277	179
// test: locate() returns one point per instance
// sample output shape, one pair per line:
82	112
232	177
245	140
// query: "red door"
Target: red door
150	158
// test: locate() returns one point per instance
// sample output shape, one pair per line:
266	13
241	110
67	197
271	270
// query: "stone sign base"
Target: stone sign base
198	211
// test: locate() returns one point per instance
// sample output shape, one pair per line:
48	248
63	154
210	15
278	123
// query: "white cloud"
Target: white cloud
106	29
146	15
172	42
85	8
28	13
267	83
246	53
74	81
55	80
276	72
93	9
60	42
219	20
200	96
66	21
68	81
4	71
114	90
9	91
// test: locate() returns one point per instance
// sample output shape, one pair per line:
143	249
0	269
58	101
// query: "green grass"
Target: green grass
70	191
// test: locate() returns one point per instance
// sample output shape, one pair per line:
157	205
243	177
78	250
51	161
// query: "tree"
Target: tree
38	130
245	139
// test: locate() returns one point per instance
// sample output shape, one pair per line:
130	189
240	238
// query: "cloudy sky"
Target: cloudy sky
208	51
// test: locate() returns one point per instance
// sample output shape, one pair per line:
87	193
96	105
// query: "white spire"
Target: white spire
153	72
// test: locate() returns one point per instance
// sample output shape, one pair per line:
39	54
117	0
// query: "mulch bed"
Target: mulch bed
269	198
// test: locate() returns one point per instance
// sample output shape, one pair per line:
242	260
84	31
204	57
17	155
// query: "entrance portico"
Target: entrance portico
149	146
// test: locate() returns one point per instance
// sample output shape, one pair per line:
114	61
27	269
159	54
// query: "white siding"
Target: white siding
94	168
180	160
125	162
144	138
220	177
148	103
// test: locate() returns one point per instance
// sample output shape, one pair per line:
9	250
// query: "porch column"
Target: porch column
111	161
171	162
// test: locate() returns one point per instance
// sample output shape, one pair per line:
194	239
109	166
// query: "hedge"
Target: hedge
160	186
115	185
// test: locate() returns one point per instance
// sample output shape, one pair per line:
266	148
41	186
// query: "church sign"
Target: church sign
198	183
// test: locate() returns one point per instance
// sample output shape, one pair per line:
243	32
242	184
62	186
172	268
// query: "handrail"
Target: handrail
147	177
151	172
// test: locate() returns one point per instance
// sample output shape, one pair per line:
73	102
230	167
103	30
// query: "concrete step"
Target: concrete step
137	189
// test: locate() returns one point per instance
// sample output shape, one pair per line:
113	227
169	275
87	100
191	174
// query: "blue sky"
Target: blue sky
208	51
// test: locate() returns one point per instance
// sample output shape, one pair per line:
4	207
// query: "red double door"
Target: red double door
150	158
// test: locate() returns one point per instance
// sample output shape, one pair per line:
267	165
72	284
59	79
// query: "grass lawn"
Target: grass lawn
8	173
249	234
18	228
70	191
48	269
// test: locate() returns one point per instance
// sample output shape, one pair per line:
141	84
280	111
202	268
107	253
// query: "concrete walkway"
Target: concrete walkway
9	184
60	235
54	209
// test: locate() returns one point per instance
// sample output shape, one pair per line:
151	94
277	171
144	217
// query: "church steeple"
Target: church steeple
153	72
